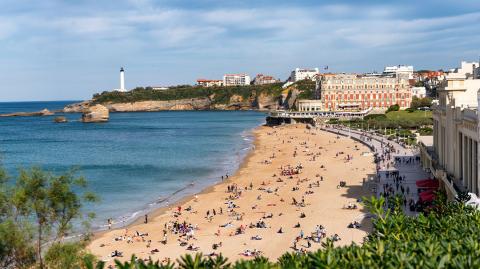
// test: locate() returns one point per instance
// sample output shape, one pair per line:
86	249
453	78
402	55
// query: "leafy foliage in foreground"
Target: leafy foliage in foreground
445	237
35	211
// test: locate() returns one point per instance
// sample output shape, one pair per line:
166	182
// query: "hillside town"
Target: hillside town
396	85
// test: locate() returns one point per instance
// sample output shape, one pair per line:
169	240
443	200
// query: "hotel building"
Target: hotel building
236	79
360	92
453	156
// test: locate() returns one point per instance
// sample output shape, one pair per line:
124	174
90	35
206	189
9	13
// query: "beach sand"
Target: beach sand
271	194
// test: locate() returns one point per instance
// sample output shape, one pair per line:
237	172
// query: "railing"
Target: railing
455	185
315	114
470	114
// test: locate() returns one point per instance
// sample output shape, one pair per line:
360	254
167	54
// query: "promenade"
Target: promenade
392	157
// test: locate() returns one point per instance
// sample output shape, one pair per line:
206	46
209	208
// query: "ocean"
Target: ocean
135	162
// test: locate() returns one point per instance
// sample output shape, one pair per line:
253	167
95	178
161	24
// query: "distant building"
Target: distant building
419	92
209	82
399	69
301	74
122	81
431	79
360	92
236	79
261	79
309	105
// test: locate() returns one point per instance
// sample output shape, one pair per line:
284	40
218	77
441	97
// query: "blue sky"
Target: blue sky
68	50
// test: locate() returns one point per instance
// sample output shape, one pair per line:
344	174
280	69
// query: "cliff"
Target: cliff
254	97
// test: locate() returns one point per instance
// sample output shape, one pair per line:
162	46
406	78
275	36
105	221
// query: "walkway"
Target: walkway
412	171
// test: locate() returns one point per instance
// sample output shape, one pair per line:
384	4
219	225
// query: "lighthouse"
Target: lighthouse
122	80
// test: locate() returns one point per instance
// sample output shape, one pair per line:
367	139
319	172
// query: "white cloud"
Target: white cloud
257	38
7	28
362	26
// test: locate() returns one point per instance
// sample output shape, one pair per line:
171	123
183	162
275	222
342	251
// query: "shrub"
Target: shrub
67	255
395	107
425	131
375	117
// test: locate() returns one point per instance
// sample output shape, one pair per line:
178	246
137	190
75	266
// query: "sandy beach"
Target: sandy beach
284	197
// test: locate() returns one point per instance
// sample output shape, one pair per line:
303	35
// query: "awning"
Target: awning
427	196
428	183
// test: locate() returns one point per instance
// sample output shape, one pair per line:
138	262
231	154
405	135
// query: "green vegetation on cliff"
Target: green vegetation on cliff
306	89
218	95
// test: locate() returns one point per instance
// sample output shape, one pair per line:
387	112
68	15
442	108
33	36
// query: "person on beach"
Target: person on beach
146	219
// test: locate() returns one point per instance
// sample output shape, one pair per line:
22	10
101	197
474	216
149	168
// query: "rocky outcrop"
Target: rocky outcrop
60	119
44	112
77	107
96	113
266	102
182	104
236	99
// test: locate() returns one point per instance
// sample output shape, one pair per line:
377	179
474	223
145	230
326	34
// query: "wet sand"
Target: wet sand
262	197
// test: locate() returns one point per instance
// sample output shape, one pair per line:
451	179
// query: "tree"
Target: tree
38	205
394	107
420	102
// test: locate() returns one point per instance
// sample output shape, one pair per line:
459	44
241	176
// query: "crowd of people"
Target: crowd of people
256	205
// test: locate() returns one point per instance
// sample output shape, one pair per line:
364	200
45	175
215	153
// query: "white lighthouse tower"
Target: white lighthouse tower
122	80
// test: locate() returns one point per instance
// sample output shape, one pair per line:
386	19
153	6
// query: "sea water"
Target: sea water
135	162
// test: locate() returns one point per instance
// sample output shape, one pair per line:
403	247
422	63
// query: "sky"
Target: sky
71	49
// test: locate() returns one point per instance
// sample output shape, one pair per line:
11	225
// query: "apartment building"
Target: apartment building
236	79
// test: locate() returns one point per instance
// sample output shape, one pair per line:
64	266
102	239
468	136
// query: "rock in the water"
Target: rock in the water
46	112
60	119
96	113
